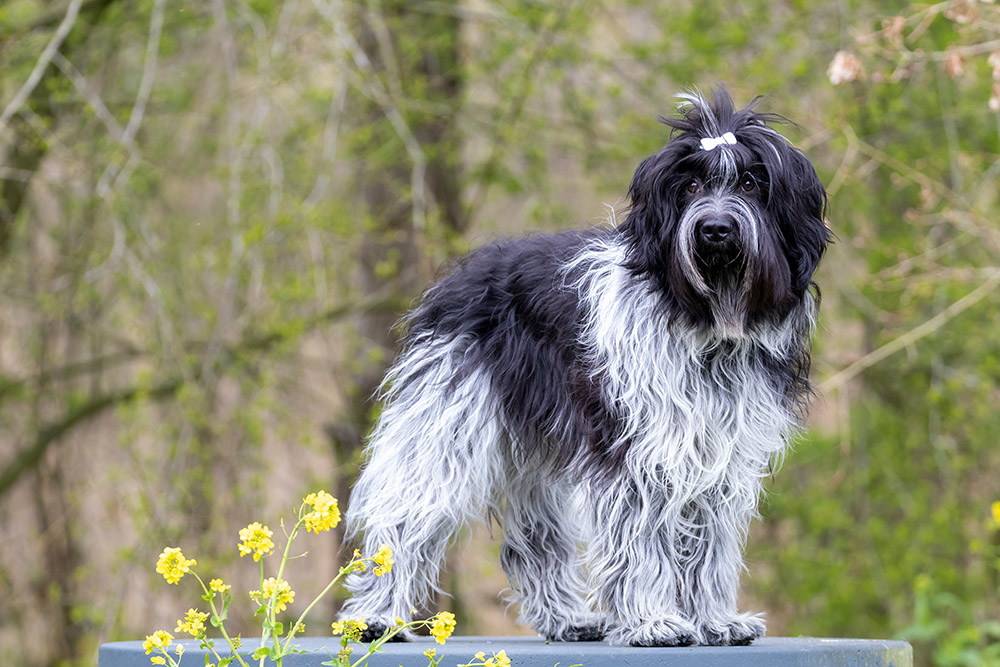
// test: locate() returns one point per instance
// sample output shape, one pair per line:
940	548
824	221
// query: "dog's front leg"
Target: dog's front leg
710	564
630	561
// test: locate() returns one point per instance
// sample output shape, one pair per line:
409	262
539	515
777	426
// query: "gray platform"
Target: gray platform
532	652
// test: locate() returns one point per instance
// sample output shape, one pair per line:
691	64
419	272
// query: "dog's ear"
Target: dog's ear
797	200
646	191
651	228
647	217
653	215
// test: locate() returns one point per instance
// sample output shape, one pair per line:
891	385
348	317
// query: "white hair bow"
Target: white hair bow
708	143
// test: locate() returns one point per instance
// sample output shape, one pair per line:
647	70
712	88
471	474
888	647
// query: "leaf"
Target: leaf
262	652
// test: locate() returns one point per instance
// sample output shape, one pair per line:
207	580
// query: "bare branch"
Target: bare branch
110	177
148	73
912	336
514	109
331	134
331	130
93	99
373	87
43	62
982	227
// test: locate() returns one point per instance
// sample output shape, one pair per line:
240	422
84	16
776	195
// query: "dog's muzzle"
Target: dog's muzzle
716	230
718	243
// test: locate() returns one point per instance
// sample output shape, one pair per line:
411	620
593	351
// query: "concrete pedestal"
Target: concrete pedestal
532	652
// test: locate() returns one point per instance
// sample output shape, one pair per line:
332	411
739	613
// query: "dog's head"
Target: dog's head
727	218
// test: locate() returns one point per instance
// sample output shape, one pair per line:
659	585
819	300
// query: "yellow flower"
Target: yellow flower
325	513
172	564
350	628
995	513
496	660
430	653
160	639
180	649
193	623
158	660
442	626
357	563
217	586
279	589
480	656
383	560
256	539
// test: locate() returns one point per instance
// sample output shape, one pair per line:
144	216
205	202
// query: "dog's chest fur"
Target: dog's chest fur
697	413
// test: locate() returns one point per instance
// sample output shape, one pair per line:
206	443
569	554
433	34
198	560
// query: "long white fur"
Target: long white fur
700	443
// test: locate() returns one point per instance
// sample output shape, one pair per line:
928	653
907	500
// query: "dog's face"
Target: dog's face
727	218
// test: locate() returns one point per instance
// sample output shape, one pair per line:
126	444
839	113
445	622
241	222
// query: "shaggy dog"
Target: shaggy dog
613	397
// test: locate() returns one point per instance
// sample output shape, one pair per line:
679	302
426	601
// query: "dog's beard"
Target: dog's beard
722	273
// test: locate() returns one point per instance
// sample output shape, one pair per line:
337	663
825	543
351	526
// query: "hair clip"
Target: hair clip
708	143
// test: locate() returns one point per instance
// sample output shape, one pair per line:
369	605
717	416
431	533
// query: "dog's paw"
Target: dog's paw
590	632
376	629
667	631
737	631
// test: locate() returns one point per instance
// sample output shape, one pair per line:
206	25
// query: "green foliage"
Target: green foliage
946	625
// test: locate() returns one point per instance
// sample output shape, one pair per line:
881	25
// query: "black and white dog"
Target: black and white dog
614	397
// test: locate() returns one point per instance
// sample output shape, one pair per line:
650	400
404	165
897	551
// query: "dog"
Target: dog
614	398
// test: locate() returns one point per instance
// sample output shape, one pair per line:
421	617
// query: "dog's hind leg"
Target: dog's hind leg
433	464
540	555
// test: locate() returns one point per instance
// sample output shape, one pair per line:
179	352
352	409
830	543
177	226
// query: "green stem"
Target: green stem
222	628
170	658
377	644
312	604
271	615
263	632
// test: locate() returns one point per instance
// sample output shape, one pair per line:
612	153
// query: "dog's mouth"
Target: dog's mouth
715	255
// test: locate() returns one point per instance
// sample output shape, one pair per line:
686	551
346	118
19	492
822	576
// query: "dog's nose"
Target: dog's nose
715	230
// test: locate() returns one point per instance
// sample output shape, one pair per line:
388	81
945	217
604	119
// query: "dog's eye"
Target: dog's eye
748	184
693	186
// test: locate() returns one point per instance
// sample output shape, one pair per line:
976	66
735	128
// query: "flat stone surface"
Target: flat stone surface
534	652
